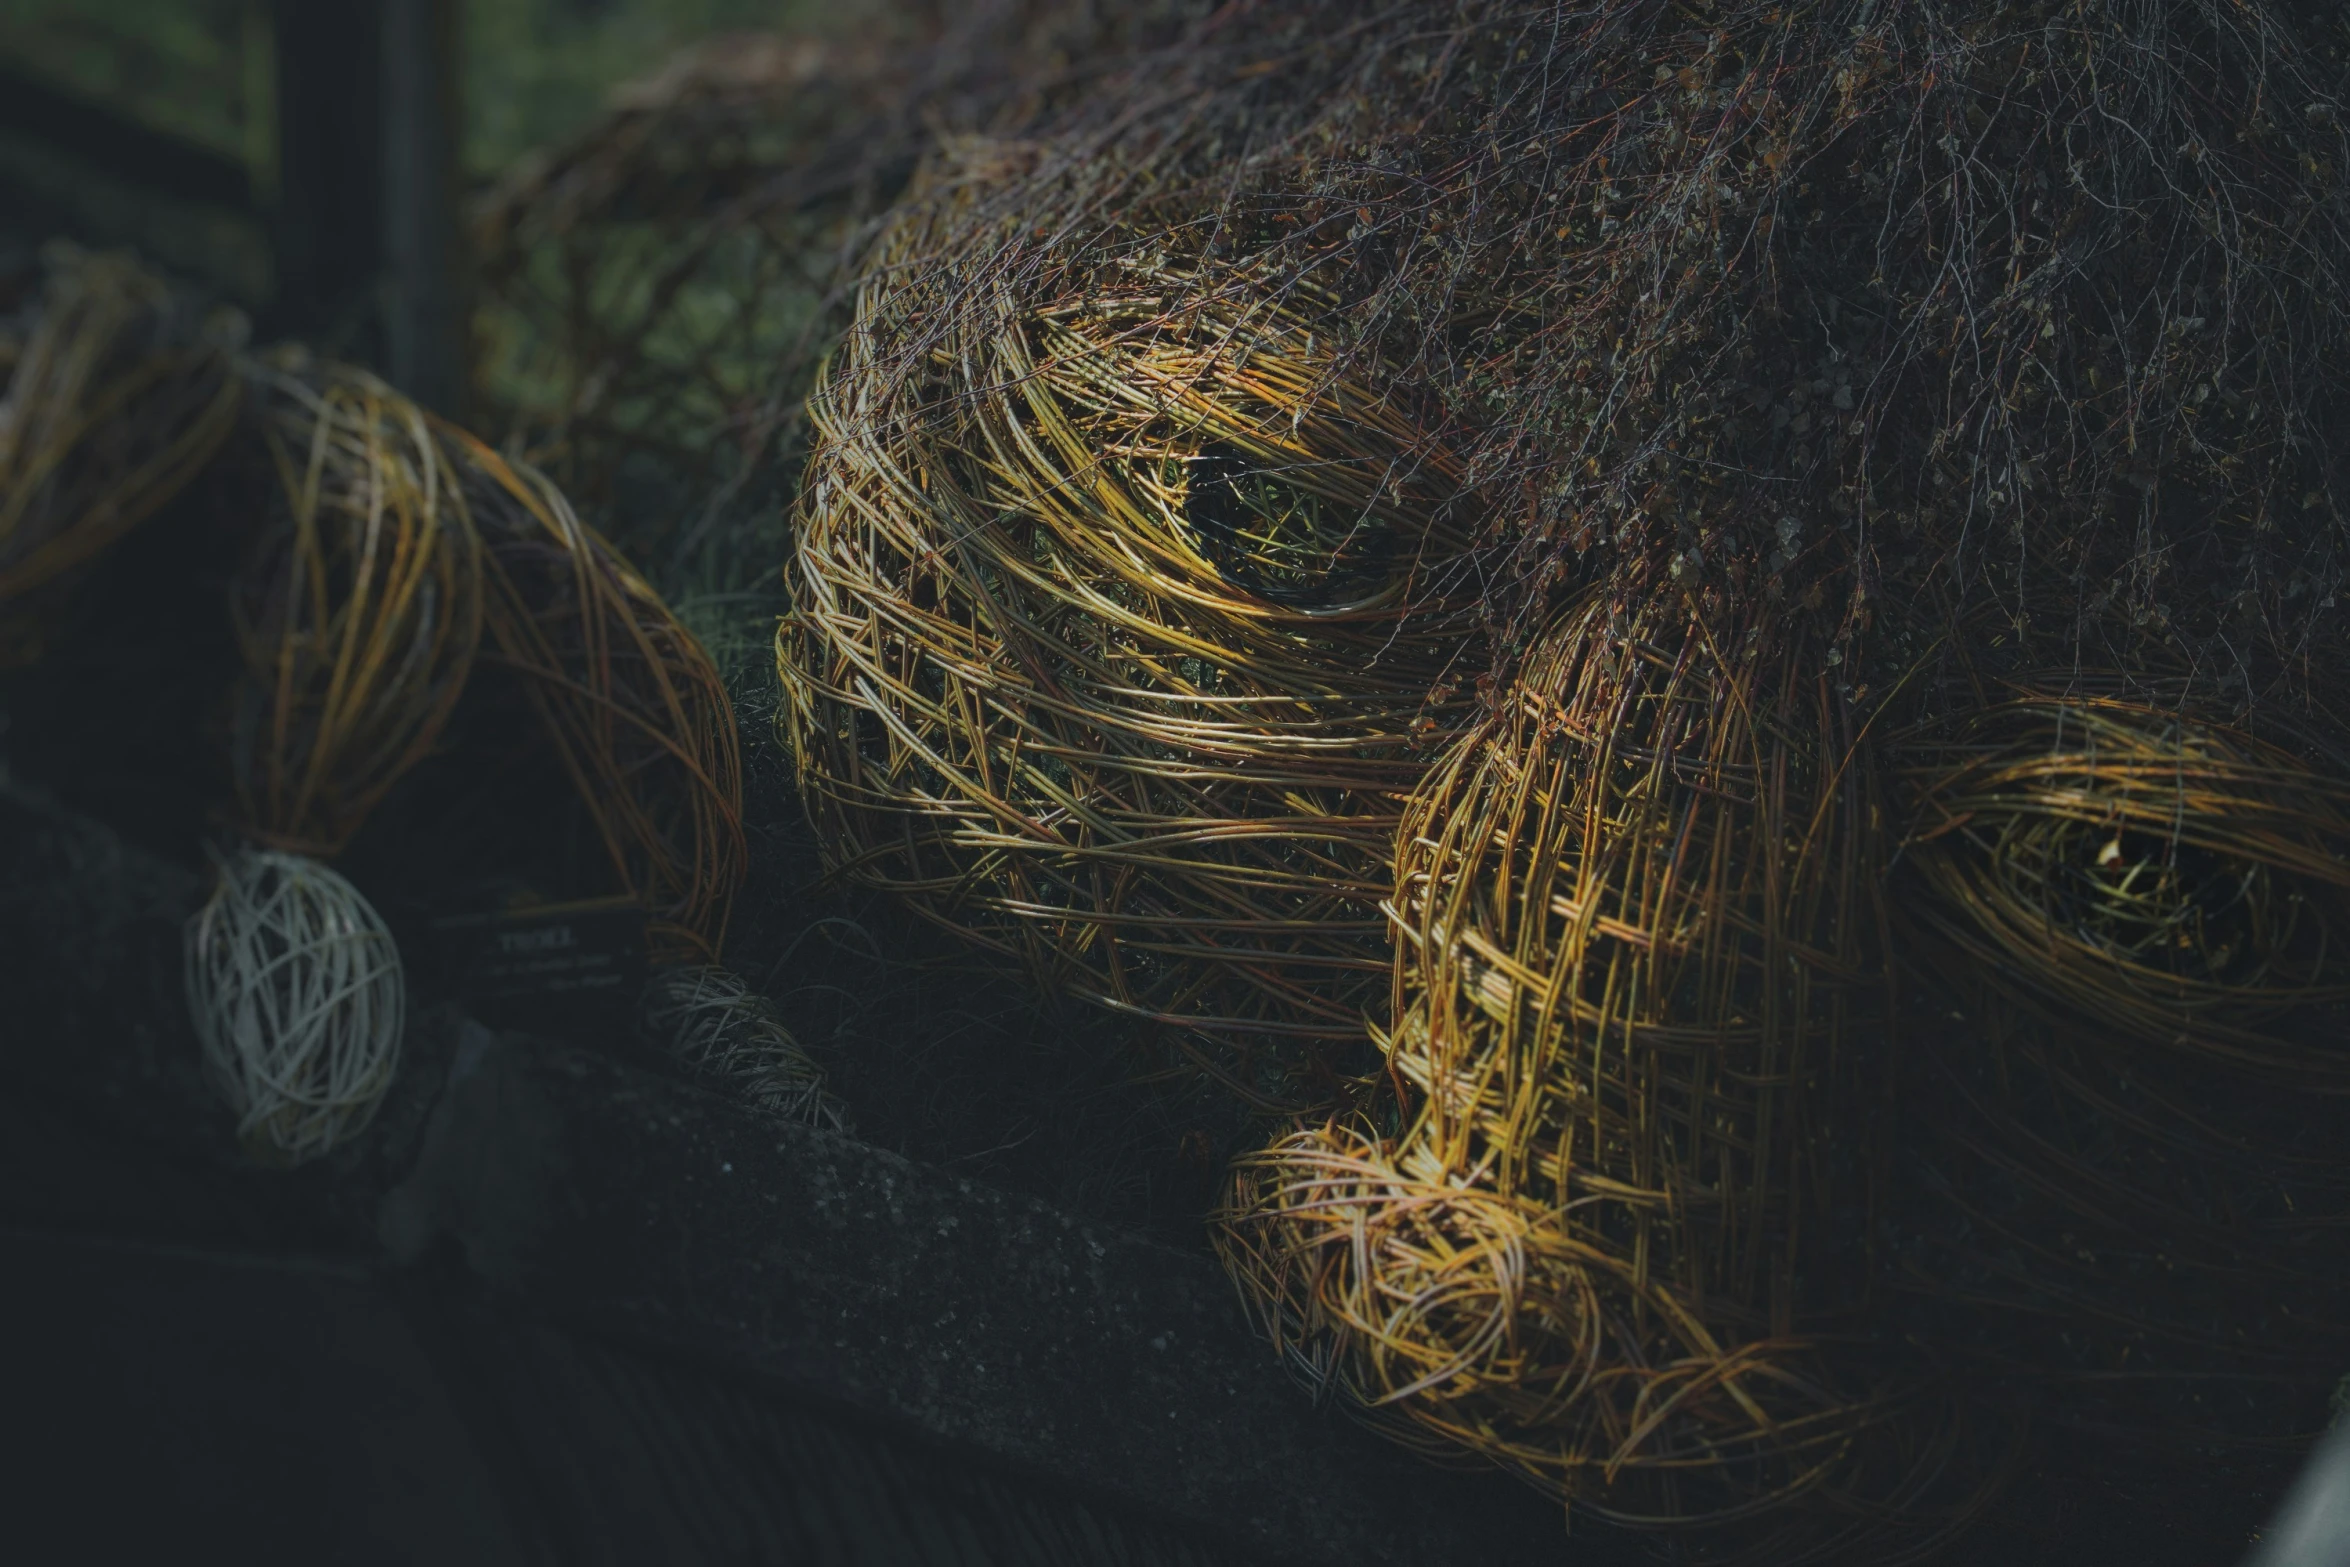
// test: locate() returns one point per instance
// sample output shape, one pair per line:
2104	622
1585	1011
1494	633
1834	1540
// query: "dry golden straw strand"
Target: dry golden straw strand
296	991
2165	878
1121	617
360	612
117	398
715	1026
626	696
1618	1247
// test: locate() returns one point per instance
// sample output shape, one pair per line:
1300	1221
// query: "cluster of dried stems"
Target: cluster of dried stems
714	1025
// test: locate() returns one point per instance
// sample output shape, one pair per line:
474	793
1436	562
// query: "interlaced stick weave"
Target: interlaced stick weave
1616	1248
1122	613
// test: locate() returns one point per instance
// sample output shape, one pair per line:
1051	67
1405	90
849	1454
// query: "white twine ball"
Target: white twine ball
714	1025
296	991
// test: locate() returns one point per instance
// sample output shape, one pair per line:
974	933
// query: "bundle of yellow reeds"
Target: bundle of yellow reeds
117	397
1618	1243
628	699
1124	612
360	610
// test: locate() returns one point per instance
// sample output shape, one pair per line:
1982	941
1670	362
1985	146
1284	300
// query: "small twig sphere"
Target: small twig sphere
297	994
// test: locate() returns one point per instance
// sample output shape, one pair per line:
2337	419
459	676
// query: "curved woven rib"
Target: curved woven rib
628	698
1119	614
360	612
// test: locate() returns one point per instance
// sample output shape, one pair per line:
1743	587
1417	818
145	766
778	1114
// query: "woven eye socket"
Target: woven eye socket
1125	624
1267	533
2173	879
2144	899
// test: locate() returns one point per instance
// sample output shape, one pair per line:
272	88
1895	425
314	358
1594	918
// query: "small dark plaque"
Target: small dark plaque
550	951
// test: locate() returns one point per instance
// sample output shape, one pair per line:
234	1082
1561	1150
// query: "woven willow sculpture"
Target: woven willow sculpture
1617	1247
117	398
627	698
2132	1092
358	614
1123	612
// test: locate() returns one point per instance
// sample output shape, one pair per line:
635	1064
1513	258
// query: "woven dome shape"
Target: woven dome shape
1618	1247
1125	608
298	999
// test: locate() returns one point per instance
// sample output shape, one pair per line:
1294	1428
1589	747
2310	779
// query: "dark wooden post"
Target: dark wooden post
424	298
329	219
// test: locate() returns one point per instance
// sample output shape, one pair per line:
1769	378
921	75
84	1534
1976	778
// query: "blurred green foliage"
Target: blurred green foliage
536	69
533	69
196	68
